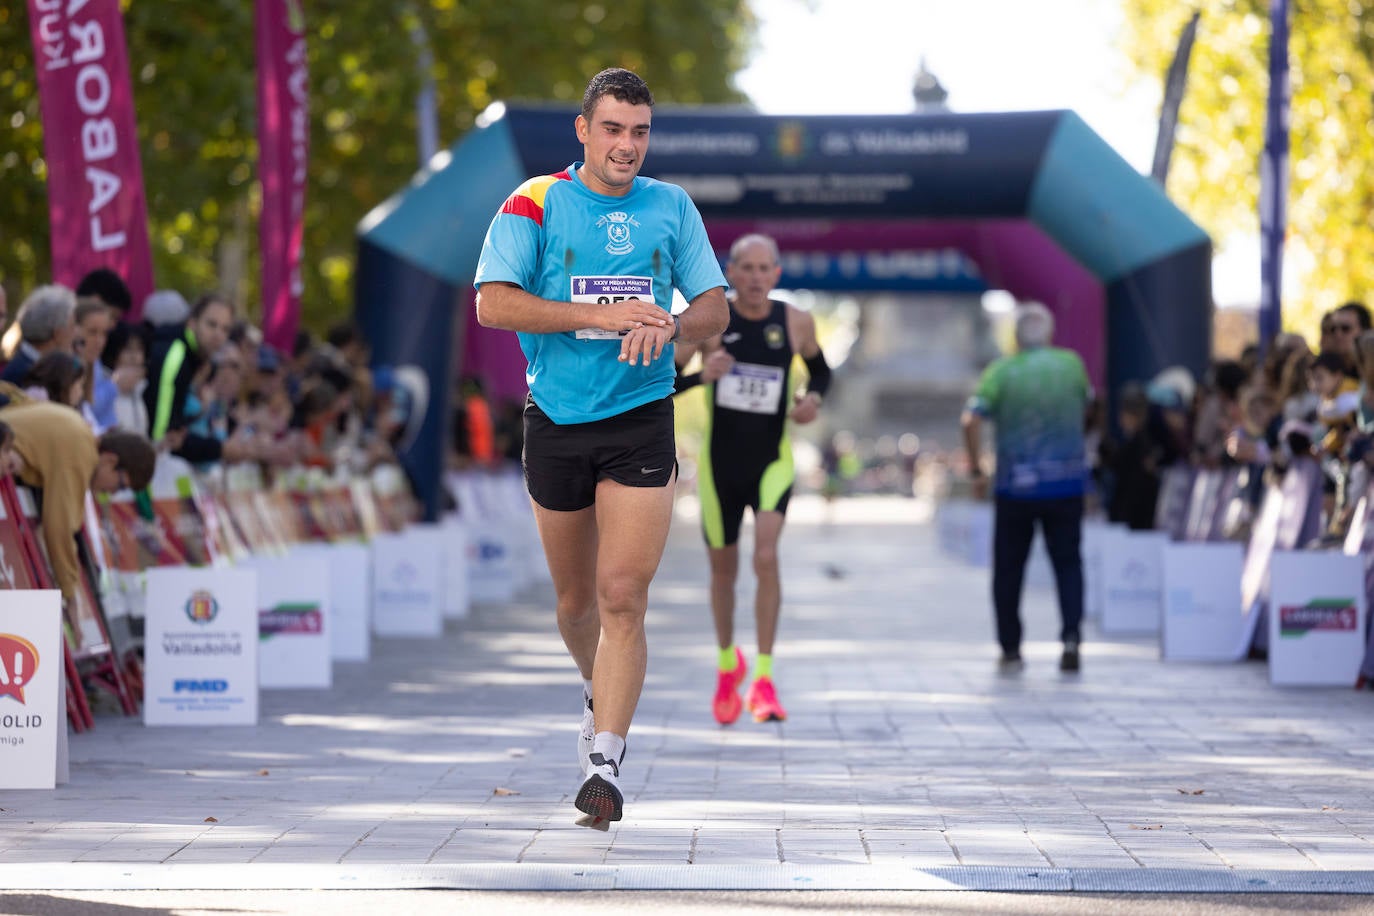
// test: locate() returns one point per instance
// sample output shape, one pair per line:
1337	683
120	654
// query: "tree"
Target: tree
1215	171
194	88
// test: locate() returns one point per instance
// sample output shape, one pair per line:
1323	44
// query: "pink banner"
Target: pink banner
95	180
283	142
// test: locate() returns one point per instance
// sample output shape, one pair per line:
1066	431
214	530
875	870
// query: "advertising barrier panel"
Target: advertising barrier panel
1202	619
1316	618
31	675
1132	580
407	584
200	664
294	617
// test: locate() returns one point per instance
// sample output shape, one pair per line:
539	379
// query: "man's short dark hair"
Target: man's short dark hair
135	453
1360	311
621	85
109	286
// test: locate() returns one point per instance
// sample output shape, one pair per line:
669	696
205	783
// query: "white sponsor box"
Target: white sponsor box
294	617
350	599
1202	613
457	597
407	582
1316	618
1132	580
1093	533
200	650
32	716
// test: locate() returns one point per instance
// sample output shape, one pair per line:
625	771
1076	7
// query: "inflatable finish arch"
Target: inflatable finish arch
1043	206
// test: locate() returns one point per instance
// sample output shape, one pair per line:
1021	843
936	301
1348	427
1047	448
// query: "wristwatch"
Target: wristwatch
677	329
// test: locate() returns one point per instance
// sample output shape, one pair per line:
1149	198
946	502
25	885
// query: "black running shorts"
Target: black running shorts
564	463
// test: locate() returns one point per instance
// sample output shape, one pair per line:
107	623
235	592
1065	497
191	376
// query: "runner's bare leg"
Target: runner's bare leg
724	572
768	594
570	546
633	526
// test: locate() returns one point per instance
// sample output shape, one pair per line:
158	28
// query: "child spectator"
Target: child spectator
59	378
130	377
1339	408
1134	464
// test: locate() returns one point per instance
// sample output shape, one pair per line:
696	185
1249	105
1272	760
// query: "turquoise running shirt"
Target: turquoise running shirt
559	240
1036	399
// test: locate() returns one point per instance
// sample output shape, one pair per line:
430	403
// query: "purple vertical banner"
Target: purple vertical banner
1273	199
283	145
1174	83
96	206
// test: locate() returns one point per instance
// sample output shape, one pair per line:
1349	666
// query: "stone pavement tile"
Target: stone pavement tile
216	856
924	848
993	846
299	855
812	846
121	852
389	853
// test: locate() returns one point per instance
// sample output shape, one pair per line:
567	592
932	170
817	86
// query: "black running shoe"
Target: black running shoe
1069	660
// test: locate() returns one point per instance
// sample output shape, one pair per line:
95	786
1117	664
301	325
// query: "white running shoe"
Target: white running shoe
586	736
599	799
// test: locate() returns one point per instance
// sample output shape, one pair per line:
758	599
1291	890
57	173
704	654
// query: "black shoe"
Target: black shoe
1069	660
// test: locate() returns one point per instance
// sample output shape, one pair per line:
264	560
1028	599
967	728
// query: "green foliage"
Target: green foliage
195	91
1215	169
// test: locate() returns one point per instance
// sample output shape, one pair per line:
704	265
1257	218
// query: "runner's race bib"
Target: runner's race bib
751	388
607	290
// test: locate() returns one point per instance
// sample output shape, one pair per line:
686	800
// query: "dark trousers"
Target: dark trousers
1061	523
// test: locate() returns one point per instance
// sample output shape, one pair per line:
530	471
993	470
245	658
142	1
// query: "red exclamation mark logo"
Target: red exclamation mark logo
18	659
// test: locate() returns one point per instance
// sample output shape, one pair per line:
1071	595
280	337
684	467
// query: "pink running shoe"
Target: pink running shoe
726	704
763	702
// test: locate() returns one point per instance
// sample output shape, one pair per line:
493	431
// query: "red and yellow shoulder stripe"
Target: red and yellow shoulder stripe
528	199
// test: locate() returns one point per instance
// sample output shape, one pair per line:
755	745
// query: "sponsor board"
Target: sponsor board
31	677
1202	601
201	647
1317	609
294	616
407	582
1132	580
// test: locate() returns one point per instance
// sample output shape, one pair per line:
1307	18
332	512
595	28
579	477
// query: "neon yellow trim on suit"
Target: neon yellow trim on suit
167	386
779	474
777	477
712	522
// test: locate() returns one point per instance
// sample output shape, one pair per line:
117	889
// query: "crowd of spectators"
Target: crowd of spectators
191	380
1256	415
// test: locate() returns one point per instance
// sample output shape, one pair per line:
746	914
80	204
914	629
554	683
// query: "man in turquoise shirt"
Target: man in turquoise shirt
583	264
1036	398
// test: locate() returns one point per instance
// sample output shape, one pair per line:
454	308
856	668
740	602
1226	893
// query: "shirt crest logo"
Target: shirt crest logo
618	231
774	336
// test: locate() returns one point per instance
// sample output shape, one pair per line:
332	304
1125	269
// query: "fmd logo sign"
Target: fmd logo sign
187	685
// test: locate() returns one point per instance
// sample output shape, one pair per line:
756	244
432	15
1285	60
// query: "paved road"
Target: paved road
908	761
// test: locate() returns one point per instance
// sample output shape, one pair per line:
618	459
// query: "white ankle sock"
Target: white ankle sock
609	745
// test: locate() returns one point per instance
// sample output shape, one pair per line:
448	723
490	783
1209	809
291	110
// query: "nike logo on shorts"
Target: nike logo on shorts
649	470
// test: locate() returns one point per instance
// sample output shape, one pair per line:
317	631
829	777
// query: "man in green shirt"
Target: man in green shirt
1036	398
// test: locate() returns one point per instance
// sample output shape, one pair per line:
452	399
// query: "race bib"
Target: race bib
751	388
606	290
